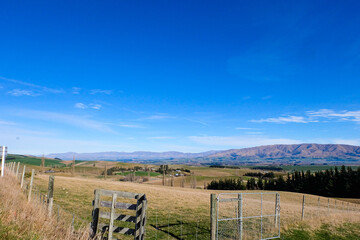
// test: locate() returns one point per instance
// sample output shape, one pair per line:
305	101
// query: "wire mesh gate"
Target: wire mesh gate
244	216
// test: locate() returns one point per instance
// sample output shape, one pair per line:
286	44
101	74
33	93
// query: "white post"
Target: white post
31	184
22	177
17	170
3	161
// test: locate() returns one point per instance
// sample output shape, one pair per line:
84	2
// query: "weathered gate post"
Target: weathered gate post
277	202
240	215
112	216
50	196
17	171
213	221
22	177
3	161
31	183
303	208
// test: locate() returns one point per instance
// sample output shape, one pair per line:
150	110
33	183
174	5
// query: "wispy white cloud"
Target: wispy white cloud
315	116
158	117
288	119
129	125
197	121
245	128
6	123
95	106
20	92
80	105
84	106
34	88
75	90
101	91
29	142
355	142
240	141
68	119
343	115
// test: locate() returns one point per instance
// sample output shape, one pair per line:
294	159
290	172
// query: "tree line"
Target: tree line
343	182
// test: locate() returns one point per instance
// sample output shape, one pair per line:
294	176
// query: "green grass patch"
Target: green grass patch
348	231
139	174
28	160
12	232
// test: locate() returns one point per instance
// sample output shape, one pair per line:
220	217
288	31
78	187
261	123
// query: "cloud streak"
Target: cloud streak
68	119
289	119
240	141
91	105
340	115
37	89
100	91
20	92
315	116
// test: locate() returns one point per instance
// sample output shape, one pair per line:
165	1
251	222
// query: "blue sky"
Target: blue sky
190	76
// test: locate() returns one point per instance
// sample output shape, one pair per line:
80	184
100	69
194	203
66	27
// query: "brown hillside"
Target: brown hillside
294	151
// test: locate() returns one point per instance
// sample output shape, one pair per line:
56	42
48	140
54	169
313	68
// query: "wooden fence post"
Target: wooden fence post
163	179
50	195
112	216
213	220
105	172
277	202
17	171
22	177
3	161
240	215
31	183
95	213
303	208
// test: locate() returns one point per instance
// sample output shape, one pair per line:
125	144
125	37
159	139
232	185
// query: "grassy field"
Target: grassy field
173	210
182	213
139	174
325	232
35	161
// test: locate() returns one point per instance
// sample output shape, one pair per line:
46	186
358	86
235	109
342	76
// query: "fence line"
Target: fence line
46	200
169	226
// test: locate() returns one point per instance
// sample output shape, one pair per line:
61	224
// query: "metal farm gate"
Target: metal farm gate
244	216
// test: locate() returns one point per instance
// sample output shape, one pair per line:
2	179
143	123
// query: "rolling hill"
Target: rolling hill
307	153
294	151
140	155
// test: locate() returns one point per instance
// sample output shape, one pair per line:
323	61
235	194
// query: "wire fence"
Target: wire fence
248	215
172	224
38	195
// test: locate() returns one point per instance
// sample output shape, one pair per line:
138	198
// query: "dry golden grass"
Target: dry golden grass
192	205
23	220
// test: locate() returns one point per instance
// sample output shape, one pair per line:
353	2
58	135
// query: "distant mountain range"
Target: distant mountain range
294	151
272	154
140	155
